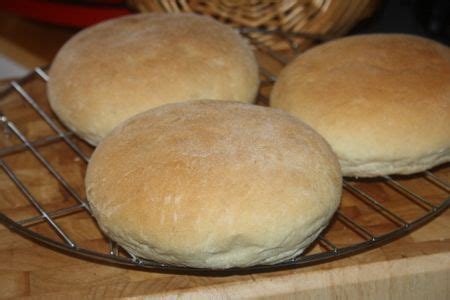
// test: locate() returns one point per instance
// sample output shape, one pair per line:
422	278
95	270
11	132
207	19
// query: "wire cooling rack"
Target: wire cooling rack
42	194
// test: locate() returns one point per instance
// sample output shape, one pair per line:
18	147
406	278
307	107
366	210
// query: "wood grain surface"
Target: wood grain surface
416	266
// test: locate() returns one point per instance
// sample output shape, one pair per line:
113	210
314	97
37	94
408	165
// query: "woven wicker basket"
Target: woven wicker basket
323	18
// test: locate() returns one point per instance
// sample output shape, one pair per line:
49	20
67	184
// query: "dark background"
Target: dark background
430	18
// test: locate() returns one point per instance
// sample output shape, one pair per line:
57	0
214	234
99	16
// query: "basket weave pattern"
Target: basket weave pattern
314	17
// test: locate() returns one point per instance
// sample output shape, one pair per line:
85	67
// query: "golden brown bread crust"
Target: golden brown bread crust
121	67
382	101
213	184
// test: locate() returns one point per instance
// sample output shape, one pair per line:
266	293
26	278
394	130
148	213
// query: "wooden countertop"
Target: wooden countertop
413	267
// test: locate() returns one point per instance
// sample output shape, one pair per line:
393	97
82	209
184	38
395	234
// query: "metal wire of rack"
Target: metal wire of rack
372	197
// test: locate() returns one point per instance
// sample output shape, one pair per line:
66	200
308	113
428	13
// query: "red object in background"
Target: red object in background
63	13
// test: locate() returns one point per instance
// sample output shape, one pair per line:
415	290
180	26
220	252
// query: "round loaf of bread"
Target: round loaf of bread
213	184
121	67
382	101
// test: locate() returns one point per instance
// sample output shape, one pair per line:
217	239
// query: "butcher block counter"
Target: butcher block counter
416	266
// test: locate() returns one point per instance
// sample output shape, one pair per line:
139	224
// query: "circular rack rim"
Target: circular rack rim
132	261
296	262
